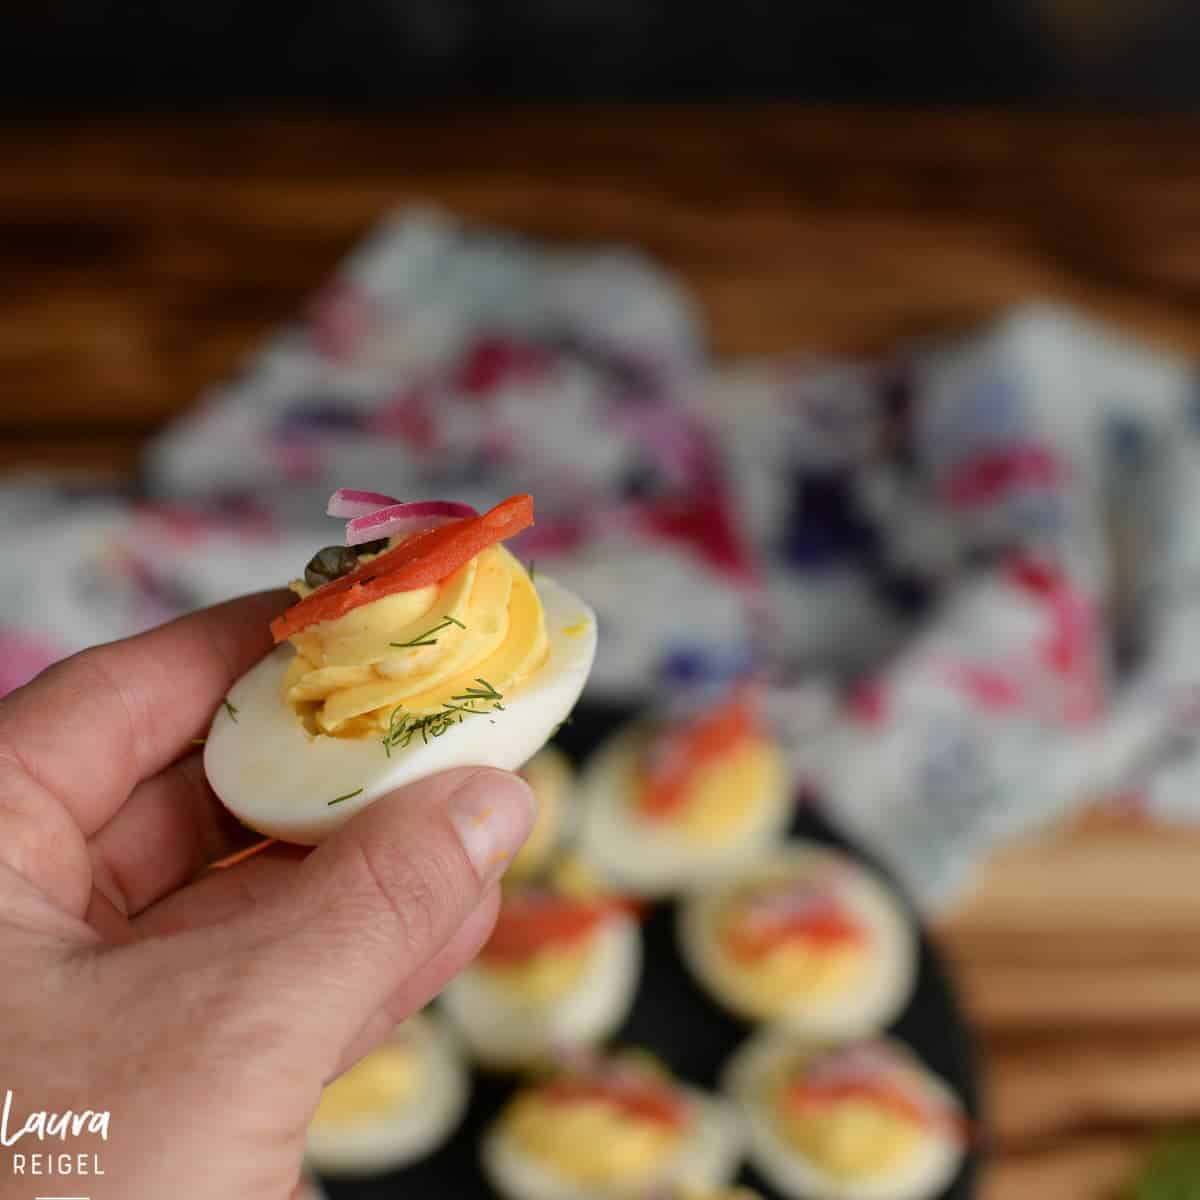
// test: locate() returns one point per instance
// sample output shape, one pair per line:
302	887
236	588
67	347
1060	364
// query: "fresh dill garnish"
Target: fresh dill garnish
484	692
427	638
199	741
348	796
231	709
403	727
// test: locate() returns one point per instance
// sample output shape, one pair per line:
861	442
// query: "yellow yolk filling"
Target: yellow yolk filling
385	1080
687	1191
794	969
544	976
589	1142
726	794
851	1138
574	876
348	679
549	775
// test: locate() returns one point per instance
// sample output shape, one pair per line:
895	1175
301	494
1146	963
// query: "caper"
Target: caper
332	562
329	563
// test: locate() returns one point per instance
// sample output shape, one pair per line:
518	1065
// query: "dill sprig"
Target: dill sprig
484	692
231	709
427	638
348	796
403	727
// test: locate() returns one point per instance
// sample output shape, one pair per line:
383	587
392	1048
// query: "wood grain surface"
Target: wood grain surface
143	258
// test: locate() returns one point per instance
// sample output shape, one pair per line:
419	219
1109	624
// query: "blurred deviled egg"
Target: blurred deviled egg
609	1128
551	777
559	972
394	1106
677	801
865	1121
422	645
804	937
687	1191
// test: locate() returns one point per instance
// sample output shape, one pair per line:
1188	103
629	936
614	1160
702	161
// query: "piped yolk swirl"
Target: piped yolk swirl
434	652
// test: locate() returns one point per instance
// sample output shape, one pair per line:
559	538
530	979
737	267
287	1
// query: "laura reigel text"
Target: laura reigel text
52	1126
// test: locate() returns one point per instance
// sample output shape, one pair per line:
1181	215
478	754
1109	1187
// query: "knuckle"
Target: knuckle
39	841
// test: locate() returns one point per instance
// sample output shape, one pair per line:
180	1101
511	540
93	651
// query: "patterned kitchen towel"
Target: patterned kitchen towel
989	542
985	547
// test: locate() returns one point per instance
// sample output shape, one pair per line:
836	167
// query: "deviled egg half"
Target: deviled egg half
394	1106
804	937
551	777
864	1121
676	802
432	649
610	1128
559	972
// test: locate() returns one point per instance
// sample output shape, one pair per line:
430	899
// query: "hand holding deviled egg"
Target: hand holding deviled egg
421	645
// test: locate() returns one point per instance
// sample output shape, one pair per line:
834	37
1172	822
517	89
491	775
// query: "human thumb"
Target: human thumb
379	899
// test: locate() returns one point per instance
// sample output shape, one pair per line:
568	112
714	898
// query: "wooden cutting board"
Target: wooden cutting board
1079	957
1094	927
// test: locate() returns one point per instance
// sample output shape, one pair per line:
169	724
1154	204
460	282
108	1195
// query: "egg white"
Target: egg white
279	780
708	1155
412	1129
928	1172
504	1033
868	1006
647	857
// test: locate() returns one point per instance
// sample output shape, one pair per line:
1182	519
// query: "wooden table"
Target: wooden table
142	258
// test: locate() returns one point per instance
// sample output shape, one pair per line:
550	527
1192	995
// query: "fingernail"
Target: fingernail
492	812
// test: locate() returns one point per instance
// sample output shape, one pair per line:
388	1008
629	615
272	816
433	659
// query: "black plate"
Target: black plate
675	1019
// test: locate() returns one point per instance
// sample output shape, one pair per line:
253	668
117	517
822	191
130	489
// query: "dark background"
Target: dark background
1131	54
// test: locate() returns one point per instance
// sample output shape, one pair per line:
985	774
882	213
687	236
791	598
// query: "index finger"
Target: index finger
89	729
